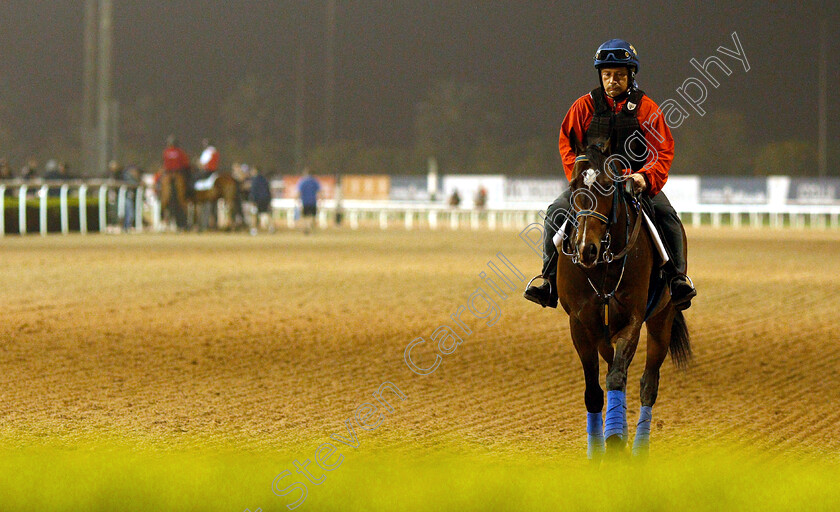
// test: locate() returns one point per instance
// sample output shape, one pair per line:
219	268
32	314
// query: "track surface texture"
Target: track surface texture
271	342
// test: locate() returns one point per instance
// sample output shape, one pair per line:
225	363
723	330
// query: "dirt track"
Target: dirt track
271	342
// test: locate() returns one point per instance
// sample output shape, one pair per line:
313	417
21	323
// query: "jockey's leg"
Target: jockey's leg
682	289
546	293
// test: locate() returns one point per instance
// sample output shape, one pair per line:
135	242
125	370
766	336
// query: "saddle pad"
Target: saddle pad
206	183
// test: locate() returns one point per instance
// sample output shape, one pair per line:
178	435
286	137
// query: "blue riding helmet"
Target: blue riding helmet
617	52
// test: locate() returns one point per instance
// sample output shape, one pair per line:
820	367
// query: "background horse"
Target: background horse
173	197
224	187
603	285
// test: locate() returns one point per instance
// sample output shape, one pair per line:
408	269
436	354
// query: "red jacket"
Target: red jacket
656	133
175	159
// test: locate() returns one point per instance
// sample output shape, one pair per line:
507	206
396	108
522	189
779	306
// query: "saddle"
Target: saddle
206	183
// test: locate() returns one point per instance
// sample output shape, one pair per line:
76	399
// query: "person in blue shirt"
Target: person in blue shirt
308	192
260	195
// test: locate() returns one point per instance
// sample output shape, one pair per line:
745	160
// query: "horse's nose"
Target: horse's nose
591	252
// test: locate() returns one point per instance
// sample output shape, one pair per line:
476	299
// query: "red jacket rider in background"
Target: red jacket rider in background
175	158
209	159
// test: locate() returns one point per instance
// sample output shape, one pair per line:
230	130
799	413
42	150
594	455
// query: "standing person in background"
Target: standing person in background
30	170
115	171
209	160
5	170
481	197
339	200
308	190
242	174
260	195
131	175
454	199
51	171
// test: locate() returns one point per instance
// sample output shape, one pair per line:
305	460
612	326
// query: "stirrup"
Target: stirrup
538	276
681	275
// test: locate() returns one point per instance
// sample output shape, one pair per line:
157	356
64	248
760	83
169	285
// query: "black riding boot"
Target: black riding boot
681	287
546	294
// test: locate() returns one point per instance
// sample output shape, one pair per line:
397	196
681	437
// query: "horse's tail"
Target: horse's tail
680	348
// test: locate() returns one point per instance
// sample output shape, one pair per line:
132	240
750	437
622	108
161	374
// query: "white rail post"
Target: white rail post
2	210
42	209
454	217
83	209
492	220
814	220
62	206
121	203
433	225
156	215
22	209
353	218
290	218
383	219
139	195
409	220
103	208
322	219
475	221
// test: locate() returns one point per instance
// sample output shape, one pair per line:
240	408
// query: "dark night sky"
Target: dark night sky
534	55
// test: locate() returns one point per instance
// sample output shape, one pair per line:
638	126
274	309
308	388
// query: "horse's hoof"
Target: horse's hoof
616	447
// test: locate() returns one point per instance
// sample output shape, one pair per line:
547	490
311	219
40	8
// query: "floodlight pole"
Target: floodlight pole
329	72
822	115
88	128
104	92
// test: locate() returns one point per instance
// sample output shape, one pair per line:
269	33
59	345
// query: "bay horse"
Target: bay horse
604	284
224	186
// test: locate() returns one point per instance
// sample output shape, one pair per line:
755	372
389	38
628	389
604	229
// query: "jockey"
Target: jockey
622	113
209	159
175	159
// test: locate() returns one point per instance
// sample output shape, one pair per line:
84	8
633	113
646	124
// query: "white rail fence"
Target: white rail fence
41	192
111	199
390	214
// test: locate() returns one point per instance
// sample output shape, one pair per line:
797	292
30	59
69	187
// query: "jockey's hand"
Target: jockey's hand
639	183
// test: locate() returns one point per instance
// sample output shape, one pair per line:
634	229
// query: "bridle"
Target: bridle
619	197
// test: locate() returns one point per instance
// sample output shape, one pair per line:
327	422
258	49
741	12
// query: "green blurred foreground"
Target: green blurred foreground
99	479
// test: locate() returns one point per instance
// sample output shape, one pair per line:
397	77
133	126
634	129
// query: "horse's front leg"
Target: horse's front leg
625	342
587	349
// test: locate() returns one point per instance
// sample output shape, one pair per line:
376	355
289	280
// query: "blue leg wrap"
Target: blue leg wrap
616	421
642	441
595	434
